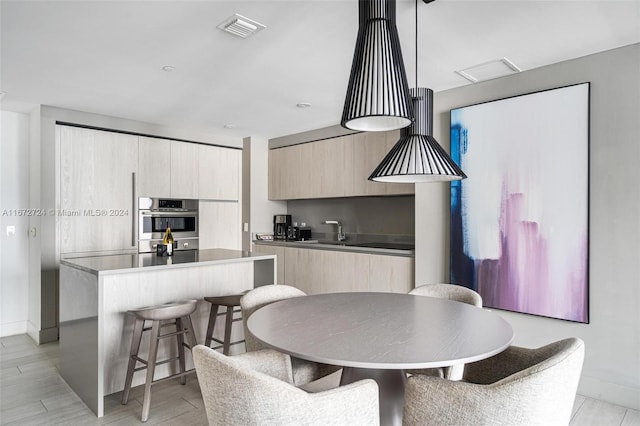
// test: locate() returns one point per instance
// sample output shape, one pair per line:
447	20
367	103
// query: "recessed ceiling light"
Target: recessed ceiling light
168	68
229	126
303	105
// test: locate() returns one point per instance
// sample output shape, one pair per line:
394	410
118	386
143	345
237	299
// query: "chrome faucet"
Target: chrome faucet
341	235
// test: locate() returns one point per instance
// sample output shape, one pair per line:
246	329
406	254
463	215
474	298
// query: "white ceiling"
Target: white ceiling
106	57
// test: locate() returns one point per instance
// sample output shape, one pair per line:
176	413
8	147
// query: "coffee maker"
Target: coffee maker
281	223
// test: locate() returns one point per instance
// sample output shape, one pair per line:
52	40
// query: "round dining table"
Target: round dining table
379	335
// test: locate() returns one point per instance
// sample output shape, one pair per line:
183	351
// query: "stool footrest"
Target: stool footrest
157	362
173	376
222	343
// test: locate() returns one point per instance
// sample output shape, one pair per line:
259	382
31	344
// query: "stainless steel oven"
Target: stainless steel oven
155	214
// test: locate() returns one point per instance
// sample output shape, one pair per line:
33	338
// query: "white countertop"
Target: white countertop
124	263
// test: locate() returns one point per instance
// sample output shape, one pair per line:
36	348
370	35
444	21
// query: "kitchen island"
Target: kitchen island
96	293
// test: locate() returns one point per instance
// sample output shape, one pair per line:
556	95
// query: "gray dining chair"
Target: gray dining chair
304	372
256	388
450	292
519	386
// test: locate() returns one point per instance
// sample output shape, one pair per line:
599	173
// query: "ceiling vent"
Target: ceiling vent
241	26
489	70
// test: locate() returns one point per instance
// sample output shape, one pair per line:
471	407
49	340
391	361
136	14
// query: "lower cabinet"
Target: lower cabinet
280	258
331	271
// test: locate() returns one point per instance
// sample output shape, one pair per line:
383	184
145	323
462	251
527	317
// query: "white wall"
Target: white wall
14	249
262	209
612	363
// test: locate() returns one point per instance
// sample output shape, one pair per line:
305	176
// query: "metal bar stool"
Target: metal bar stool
231	302
180	315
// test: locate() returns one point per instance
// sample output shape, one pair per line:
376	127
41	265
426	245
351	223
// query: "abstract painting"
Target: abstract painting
520	221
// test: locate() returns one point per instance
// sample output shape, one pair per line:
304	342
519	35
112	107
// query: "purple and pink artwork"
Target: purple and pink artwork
519	222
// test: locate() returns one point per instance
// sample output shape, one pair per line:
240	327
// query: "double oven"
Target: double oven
156	214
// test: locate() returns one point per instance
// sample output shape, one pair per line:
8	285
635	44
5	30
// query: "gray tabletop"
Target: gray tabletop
380	330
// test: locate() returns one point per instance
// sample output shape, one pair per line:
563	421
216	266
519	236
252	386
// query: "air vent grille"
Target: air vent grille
489	70
241	26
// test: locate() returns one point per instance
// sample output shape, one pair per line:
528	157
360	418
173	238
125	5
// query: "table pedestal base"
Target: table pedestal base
391	390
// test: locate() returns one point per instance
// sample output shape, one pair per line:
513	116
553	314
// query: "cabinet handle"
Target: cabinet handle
134	212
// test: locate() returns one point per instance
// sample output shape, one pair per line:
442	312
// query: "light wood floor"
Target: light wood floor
33	393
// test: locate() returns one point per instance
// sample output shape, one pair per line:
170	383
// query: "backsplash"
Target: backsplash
390	216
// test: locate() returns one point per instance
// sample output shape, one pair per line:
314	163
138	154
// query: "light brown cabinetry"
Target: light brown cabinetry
337	167
330	271
96	205
188	170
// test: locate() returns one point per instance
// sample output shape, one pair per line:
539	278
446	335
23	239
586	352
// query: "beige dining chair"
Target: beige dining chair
256	388
304	372
516	387
450	292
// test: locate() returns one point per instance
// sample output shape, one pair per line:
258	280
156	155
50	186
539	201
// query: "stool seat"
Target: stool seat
166	311
177	314
229	300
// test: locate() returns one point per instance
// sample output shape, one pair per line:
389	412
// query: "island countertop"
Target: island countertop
126	263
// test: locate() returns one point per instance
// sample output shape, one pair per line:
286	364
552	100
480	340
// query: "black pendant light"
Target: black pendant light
417	156
378	93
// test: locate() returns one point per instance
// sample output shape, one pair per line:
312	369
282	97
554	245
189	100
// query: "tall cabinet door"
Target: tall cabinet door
97	206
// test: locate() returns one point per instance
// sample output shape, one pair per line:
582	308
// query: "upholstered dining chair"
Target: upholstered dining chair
304	371
516	387
450	292
255	388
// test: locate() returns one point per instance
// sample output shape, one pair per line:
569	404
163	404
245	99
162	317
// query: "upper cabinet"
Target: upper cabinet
184	170
188	170
219	173
337	167
154	167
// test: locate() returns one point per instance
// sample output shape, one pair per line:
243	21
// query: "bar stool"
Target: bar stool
231	302
180	315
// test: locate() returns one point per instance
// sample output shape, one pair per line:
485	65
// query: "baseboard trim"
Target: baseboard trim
13	328
33	332
626	396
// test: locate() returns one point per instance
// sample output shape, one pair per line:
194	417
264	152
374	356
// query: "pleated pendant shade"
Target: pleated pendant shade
417	156
377	96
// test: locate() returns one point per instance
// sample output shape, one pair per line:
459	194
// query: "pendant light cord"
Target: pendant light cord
416	44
